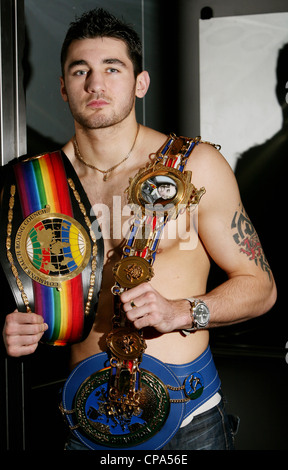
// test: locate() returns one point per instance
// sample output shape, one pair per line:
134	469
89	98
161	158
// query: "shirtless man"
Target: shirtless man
100	83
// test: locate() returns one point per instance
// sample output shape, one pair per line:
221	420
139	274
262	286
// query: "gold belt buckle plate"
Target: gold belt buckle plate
52	248
104	424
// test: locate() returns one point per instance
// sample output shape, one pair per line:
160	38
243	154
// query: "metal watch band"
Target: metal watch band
193	304
188	331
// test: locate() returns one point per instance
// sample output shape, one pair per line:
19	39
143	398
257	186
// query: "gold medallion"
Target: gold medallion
132	271
162	189
51	247
126	344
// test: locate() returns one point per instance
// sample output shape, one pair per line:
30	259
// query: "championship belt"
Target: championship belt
53	245
117	399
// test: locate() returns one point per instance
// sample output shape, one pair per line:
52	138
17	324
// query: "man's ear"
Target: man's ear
63	89
142	84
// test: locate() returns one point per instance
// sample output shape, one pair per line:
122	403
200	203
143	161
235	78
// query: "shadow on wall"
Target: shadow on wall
260	172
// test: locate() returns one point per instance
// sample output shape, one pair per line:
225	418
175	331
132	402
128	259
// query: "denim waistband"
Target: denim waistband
199	378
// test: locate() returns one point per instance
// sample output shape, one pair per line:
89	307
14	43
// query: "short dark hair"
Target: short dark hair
101	23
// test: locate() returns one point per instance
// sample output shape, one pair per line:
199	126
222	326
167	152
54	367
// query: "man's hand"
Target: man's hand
22	333
144	306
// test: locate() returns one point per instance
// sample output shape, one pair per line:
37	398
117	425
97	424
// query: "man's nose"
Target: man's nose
95	82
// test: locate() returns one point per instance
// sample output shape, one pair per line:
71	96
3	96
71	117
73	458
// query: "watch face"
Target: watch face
202	314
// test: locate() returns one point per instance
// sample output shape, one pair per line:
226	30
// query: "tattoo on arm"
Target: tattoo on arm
246	237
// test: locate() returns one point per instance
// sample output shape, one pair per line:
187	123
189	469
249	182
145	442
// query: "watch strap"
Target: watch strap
187	331
193	304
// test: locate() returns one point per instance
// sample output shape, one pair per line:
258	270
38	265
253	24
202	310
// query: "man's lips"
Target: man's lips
97	103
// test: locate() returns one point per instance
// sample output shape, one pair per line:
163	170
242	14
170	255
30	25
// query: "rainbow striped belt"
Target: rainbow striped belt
54	249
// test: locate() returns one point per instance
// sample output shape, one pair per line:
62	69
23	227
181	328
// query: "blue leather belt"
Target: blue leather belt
189	385
199	378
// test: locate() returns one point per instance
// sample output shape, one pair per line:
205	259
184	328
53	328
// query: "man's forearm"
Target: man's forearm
239	299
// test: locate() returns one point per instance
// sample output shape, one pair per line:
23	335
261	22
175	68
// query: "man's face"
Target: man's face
167	191
99	83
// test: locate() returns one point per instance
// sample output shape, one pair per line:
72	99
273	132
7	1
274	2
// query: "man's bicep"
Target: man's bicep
234	244
224	227
247	240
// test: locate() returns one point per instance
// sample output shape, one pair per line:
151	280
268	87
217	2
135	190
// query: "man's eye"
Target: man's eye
80	72
112	70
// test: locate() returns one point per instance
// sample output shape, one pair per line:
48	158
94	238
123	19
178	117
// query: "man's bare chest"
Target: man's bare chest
109	204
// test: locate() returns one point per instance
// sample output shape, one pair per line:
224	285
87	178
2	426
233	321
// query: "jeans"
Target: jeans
211	430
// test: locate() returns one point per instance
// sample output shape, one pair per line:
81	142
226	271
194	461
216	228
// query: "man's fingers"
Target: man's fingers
24	324
22	333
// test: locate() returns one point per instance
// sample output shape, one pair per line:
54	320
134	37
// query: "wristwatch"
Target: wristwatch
200	315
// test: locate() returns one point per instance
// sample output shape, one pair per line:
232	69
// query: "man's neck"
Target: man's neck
108	146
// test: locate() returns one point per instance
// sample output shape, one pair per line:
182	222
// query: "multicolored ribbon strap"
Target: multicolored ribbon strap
42	182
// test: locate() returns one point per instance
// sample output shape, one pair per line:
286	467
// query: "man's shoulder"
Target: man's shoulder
204	152
210	168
